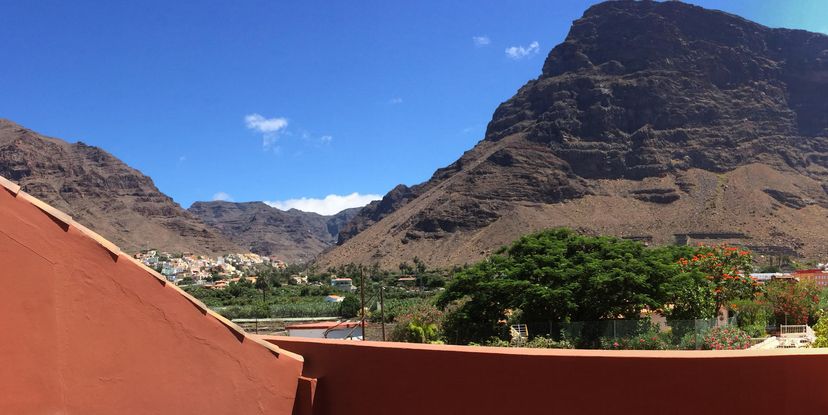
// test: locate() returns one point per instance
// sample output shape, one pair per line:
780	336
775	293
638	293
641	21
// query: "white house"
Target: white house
343	284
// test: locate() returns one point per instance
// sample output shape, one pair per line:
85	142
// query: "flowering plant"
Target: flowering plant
727	269
725	338
793	302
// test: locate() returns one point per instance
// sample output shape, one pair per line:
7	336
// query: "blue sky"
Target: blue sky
279	101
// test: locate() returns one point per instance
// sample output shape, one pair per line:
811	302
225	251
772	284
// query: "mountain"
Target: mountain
293	236
663	122
103	193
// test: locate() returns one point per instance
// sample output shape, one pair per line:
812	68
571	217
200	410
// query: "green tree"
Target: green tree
419	266
263	284
558	275
349	307
727	269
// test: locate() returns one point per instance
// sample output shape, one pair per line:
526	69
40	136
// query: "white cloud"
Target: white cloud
520	52
221	196
182	159
481	41
330	205
325	139
396	100
268	127
264	125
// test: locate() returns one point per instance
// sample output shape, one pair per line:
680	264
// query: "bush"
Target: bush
725	338
395	307
752	316
540	342
349	307
821	331
421	324
497	342
644	341
793	302
690	341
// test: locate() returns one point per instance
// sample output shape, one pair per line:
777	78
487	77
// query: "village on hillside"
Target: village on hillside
187	268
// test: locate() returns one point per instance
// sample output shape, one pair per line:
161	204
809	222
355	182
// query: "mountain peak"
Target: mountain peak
650	120
103	193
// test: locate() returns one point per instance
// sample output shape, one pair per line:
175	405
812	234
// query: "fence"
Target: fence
683	334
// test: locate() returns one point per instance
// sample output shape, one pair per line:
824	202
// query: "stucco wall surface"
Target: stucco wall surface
87	330
398	378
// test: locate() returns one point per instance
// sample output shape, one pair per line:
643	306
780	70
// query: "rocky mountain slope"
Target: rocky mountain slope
664	122
293	236
103	193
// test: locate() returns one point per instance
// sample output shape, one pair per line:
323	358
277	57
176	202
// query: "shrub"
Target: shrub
821	331
690	341
752	316
725	338
793	302
421	324
349	307
415	332
540	342
497	342
644	341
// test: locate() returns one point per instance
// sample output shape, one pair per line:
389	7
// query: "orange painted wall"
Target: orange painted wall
396	378
85	331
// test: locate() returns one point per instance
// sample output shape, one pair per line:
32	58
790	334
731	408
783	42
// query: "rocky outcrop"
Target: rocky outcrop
649	119
103	193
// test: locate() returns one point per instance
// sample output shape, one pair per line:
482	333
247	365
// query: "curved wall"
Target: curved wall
399	378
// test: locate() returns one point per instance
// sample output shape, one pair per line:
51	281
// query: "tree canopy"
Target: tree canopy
558	275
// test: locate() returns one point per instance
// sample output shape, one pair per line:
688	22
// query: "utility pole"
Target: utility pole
382	310
362	301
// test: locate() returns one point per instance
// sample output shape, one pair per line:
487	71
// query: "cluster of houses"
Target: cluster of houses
818	275
201	269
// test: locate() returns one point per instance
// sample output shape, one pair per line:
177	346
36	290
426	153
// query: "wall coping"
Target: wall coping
284	342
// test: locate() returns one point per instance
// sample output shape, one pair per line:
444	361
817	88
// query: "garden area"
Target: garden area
565	289
575	291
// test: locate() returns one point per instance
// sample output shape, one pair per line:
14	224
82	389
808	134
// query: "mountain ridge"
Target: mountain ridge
659	113
293	236
103	193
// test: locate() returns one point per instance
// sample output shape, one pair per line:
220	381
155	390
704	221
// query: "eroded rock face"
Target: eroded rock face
375	211
639	89
103	193
639	95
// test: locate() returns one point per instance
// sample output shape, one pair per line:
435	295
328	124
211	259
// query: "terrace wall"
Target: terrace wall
398	378
87	330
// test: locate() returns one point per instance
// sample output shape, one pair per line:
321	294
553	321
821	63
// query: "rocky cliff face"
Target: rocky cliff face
293	236
652	121
103	193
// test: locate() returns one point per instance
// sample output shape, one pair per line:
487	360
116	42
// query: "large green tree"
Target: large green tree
558	275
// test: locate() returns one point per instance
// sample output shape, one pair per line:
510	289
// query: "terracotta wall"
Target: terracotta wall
85	330
394	378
